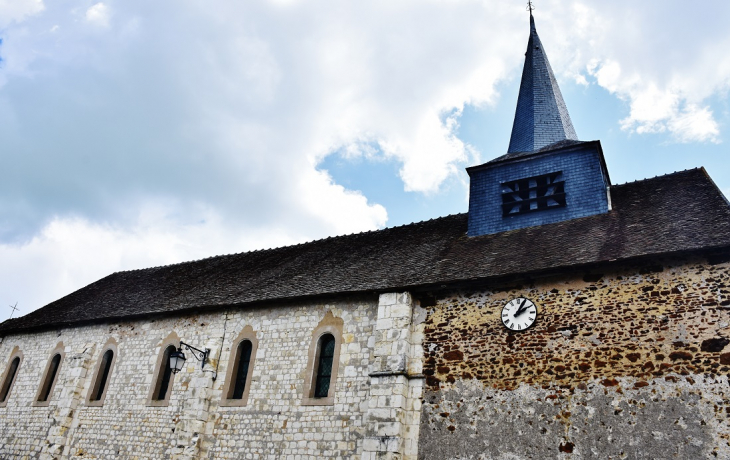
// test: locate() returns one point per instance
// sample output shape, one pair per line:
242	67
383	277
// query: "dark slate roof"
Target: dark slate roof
674	213
541	117
554	146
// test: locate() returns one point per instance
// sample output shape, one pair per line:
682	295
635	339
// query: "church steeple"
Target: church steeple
548	175
541	118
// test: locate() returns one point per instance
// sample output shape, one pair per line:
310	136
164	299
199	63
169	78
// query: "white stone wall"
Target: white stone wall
397	383
272	425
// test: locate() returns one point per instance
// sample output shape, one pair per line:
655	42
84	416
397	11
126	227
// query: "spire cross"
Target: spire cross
530	7
14	307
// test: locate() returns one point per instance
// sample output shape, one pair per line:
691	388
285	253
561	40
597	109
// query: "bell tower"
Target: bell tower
547	174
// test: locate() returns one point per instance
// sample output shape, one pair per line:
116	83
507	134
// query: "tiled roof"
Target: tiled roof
554	146
541	117
678	212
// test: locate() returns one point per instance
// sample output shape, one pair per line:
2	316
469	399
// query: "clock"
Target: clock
519	314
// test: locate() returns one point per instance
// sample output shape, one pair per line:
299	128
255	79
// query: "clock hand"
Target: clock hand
521	309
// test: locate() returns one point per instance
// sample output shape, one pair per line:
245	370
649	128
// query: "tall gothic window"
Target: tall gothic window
9	379
244	359
323	362
164	376
240	368
102	376
326	351
50	378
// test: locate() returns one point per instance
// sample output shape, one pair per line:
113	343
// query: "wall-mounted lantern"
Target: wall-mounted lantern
177	358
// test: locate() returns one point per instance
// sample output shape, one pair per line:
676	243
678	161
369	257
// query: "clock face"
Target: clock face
519	314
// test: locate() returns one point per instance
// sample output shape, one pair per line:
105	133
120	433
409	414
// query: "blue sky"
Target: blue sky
595	114
136	134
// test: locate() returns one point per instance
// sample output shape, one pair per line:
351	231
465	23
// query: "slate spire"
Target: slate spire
541	118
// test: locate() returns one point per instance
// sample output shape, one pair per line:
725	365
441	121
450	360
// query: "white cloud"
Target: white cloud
666	76
430	154
216	119
98	14
18	10
694	124
344	211
229	110
69	253
655	110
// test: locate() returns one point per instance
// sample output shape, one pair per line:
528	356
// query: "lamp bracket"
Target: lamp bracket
200	355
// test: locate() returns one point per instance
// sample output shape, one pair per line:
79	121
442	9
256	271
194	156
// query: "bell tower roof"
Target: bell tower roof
541	118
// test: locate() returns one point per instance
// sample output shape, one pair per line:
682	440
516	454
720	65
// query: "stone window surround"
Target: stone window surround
59	350
329	325
16	353
247	333
171	340
112	345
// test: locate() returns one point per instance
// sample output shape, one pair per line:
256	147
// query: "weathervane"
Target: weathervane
530	7
14	307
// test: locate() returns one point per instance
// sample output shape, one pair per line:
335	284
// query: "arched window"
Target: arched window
164	376
9	378
240	368
97	391
244	359
100	386
49	379
324	356
323	373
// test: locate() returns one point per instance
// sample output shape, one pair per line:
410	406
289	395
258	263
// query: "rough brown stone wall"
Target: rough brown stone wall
617	359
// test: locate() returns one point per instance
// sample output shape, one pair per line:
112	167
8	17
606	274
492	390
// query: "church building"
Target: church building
561	317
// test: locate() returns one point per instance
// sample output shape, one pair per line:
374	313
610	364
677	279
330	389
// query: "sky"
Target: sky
137	134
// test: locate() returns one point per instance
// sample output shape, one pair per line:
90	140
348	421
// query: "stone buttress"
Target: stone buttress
396	380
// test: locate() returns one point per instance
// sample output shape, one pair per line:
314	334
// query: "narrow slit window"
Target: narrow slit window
164	377
102	376
9	379
242	365
324	366
50	378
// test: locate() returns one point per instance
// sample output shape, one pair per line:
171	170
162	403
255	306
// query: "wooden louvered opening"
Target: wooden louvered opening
536	193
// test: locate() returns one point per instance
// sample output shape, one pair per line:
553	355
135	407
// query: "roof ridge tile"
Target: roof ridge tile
659	176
